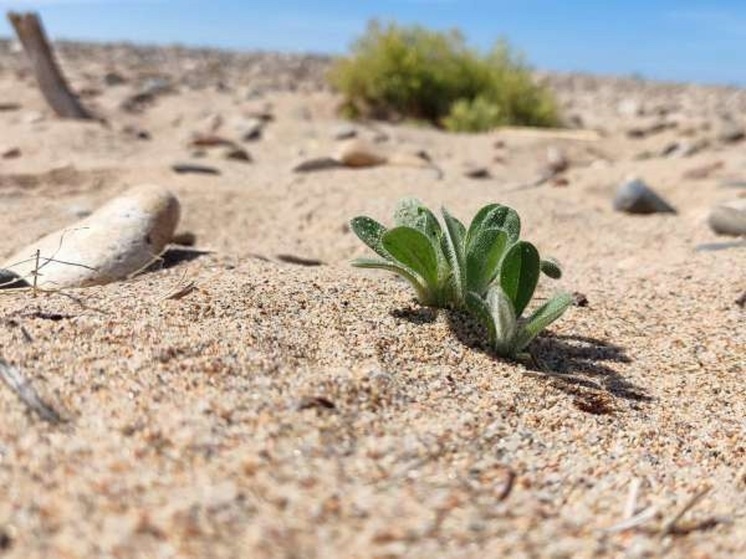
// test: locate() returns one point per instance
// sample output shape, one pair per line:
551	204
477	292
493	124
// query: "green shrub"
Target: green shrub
485	269
398	72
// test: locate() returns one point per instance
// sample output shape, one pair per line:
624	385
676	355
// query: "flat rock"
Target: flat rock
729	218
116	241
635	197
184	168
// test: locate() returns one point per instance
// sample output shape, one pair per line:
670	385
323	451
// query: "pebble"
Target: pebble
11	153
635	197
237	154
557	161
316	164
344	132
9	107
184	168
729	218
251	129
116	241
475	171
358	153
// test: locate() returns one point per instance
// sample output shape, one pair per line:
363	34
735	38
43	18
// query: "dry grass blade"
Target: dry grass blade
670	526
21	386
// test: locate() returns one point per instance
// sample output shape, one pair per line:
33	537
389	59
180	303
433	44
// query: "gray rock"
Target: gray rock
183	168
476	171
251	129
344	132
635	197
729	218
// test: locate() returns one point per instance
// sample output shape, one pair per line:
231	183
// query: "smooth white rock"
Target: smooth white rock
117	240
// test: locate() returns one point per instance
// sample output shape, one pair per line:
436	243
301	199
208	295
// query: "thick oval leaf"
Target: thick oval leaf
370	232
483	258
519	274
424	295
497	215
413	249
453	247
541	318
551	268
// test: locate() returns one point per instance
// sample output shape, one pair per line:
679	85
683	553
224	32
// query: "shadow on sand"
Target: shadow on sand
579	366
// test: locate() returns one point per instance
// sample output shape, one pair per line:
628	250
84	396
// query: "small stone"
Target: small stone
114	78
556	160
475	171
344	132
136	133
114	242
184	168
635	197
237	154
358	153
209	140
729	218
251	129
316	164
730	132
7	107
184	238
11	153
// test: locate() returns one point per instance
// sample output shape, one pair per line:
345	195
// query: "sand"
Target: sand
281	410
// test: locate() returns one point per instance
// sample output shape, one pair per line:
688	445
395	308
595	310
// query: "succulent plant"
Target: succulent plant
485	269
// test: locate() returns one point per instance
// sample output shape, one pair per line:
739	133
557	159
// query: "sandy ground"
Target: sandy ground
282	410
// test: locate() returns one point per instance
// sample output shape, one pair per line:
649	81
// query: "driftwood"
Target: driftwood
51	81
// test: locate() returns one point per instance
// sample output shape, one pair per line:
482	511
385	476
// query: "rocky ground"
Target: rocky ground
255	396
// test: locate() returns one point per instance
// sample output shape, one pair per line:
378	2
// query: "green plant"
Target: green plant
485	269
399	72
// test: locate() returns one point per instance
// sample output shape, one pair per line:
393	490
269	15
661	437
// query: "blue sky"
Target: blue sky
681	40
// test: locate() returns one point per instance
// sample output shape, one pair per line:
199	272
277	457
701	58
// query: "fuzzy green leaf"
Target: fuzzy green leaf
410	212
370	232
519	274
497	215
551	268
424	296
504	319
453	247
541	318
413	249
483	256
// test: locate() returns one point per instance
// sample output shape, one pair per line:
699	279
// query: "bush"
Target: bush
400	72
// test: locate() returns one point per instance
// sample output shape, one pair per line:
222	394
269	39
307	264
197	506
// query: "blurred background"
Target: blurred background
673	40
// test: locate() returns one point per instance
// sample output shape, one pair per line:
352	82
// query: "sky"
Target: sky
680	40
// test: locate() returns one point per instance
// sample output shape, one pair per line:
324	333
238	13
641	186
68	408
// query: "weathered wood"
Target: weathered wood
51	81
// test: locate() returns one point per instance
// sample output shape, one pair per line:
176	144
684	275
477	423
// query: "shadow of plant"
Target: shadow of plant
416	315
576	365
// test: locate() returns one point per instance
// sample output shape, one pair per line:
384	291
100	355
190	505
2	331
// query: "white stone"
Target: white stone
117	240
